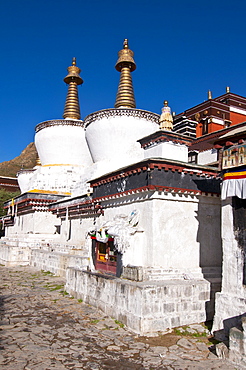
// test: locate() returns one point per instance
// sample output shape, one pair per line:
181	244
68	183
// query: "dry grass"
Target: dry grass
26	160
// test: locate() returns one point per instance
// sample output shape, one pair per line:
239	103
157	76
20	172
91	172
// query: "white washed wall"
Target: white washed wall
168	150
231	302
207	156
172	230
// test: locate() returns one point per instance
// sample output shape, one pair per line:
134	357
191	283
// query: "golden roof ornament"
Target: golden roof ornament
73	79
38	161
209	94
166	118
125	65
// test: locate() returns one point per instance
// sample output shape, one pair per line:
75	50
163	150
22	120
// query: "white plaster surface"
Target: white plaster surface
231	302
232	281
62	144
116	137
238	110
168	150
173	230
207	156
218	121
59	179
167	244
33	223
23	178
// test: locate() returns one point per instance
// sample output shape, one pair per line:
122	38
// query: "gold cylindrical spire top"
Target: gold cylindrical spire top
73	79
166	118
38	162
125	65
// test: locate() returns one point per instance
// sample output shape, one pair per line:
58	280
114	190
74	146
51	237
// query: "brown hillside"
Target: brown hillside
27	159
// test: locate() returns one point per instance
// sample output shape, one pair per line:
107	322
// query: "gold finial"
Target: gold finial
125	43
125	65
209	94
166	118
38	162
73	79
227	89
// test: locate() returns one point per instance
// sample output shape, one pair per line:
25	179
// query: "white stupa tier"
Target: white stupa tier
62	142
64	155
112	134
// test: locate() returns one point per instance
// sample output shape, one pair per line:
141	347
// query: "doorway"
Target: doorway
106	257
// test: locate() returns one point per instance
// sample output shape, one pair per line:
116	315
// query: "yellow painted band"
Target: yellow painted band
242	173
50	165
48	192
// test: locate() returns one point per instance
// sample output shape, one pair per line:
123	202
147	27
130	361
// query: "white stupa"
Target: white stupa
61	147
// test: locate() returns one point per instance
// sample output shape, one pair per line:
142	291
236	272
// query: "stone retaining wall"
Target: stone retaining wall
229	309
56	262
14	256
145	307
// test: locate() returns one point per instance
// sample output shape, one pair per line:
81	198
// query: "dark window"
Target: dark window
192	157
227	123
205	127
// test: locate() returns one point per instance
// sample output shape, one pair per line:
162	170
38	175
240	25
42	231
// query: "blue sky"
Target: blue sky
182	49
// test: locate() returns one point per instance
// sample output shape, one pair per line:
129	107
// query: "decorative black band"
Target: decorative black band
136	113
61	122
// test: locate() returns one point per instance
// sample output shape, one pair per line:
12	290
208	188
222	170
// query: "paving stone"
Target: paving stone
130	352
202	347
138	346
119	343
159	350
185	343
191	331
42	329
199	328
168	367
156	361
105	344
148	354
113	348
212	356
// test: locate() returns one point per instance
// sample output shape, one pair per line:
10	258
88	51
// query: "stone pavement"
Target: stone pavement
43	328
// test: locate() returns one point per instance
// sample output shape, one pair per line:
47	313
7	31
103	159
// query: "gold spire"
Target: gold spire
73	79
38	162
209	94
166	119
125	65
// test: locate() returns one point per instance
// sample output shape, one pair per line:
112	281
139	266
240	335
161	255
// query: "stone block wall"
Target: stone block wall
56	262
145	307
12	256
237	344
228	312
